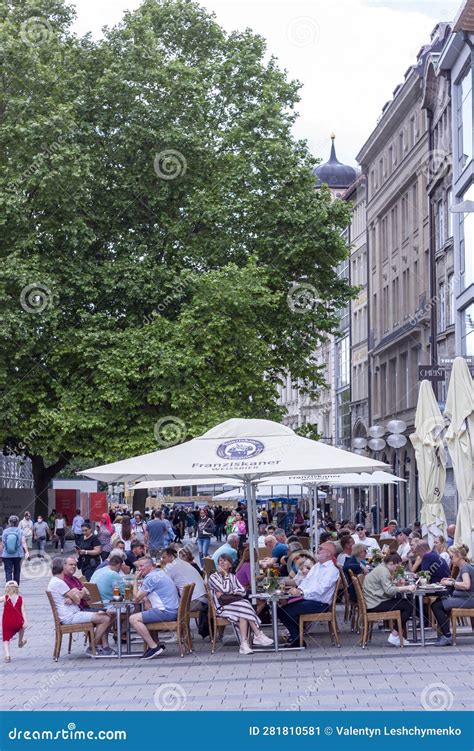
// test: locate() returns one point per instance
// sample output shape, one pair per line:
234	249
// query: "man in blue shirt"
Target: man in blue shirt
108	577
157	528
230	547
162	595
281	548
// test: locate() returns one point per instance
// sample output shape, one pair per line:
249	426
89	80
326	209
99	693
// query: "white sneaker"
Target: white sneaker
406	643
245	648
262	641
395	640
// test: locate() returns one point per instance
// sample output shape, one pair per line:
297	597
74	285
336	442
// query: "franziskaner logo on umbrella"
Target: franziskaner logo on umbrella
240	449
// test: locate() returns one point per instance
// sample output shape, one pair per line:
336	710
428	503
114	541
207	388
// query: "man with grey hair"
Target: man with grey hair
316	590
14	549
230	547
67	602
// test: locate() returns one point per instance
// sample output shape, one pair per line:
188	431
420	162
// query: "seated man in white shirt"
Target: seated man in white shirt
360	538
182	573
404	546
390	531
316	591
69	613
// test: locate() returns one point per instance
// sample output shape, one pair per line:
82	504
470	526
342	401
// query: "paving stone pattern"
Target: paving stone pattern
320	677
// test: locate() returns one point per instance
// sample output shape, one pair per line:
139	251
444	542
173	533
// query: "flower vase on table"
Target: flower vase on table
399	576
271	583
424	578
376	557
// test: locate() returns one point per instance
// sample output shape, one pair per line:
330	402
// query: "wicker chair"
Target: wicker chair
181	624
209	567
215	621
460	613
93	589
348	604
63	629
329	617
368	619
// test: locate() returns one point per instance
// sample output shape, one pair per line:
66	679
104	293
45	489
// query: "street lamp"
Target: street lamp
376	443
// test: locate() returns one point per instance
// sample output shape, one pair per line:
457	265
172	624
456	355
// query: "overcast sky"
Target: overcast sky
348	54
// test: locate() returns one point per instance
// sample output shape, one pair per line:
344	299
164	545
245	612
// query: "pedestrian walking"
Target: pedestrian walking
14	549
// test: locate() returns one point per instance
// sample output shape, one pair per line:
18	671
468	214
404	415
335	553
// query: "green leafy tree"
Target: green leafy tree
165	255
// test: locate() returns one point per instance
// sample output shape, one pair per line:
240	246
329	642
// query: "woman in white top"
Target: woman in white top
59	532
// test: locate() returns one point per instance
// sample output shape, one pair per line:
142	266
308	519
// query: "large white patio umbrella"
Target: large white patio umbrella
347	480
246	450
460	439
430	461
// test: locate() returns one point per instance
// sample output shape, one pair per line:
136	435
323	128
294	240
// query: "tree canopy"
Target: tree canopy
165	255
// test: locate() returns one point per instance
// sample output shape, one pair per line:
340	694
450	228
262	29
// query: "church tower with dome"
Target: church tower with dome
337	176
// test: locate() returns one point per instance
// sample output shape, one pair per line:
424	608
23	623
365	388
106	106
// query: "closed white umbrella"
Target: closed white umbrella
460	439
430	461
246	450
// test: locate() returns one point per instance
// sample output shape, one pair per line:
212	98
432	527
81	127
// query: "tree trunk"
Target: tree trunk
42	477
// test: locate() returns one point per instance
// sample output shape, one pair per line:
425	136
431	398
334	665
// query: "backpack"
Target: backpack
12	543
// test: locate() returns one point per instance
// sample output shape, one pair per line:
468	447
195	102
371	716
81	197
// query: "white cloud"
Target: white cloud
348	54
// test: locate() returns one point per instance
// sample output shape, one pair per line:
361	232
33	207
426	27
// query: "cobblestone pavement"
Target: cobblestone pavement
320	677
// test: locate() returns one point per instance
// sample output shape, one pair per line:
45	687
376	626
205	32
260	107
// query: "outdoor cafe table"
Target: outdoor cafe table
272	598
127	607
420	593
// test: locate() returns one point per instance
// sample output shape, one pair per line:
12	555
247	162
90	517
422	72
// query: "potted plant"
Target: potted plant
377	557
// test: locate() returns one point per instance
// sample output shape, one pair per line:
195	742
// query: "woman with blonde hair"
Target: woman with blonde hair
461	595
13	619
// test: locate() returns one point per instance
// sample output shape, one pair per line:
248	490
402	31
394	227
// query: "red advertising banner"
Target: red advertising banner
98	505
65	503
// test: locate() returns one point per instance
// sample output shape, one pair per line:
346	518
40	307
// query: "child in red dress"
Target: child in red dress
14	618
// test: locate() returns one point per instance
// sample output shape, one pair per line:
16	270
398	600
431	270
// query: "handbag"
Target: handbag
228	599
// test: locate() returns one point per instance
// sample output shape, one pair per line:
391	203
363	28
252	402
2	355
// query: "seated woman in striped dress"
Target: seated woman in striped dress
224	584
